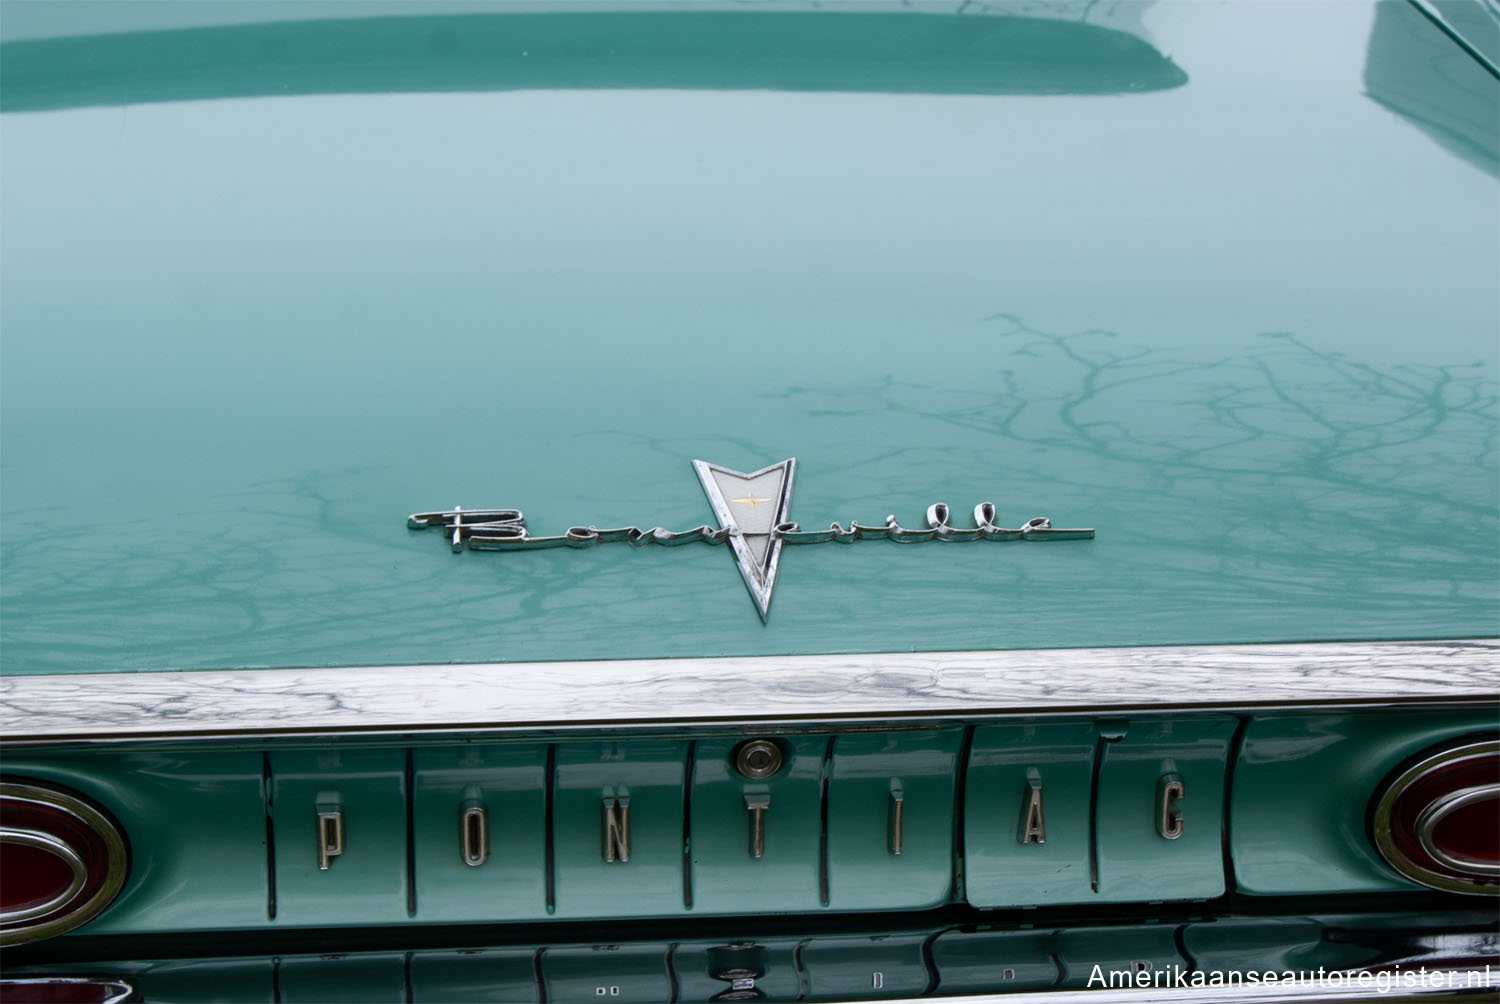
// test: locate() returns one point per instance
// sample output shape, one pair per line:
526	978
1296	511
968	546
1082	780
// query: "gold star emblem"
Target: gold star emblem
750	500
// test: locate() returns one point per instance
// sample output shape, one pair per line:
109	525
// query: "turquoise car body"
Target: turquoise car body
1218	283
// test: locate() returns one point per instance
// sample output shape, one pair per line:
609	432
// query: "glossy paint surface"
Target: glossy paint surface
196	829
372	977
825	966
1006	862
850	968
726	879
632	972
865	773
695	966
1240	320
1133	855
509	784
981	961
648	772
196	816
1475	23
367	883
1314	843
469	975
1298	822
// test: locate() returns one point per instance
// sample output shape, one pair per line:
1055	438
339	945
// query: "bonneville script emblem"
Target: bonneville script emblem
753	514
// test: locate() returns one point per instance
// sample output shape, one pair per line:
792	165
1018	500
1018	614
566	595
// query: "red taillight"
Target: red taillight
40	872
63	990
61	862
1438	821
1466	831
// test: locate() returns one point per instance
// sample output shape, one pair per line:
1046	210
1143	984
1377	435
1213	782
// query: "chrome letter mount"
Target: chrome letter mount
757	803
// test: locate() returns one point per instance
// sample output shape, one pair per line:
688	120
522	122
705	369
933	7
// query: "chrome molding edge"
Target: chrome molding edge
760	689
1430	984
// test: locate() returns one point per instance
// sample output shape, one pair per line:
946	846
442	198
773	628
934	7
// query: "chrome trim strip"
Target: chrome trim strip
1438	984
760	689
1458	984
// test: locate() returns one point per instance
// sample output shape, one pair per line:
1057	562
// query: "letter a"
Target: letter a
1033	822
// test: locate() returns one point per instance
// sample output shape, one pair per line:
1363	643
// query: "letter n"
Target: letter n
616	829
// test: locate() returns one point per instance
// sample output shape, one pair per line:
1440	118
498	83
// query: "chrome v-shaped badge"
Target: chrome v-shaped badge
751	507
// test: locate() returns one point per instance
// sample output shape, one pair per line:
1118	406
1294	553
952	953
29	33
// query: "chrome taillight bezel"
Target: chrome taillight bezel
1458	875
84	899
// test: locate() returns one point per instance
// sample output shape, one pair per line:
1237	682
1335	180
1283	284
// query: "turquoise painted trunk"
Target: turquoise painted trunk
608	338
1244	326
